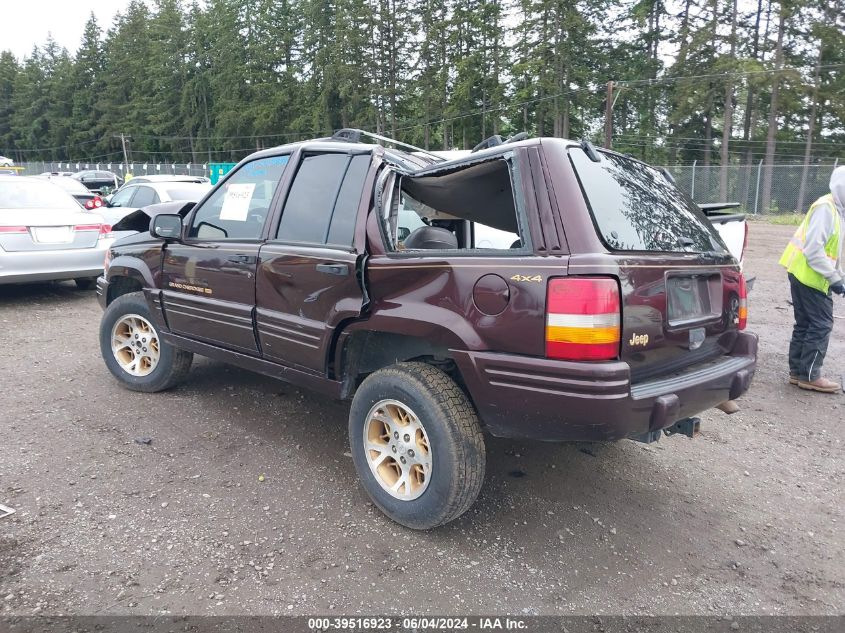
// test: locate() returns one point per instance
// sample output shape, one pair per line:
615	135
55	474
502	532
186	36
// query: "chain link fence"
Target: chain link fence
136	169
743	183
793	189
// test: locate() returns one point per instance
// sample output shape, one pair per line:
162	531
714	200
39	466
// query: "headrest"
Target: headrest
431	238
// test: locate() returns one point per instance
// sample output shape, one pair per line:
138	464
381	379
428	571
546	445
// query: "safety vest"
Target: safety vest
793	258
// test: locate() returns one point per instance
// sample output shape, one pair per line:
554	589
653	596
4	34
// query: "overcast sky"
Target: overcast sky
24	23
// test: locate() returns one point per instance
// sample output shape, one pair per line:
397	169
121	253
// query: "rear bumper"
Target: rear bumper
31	266
532	398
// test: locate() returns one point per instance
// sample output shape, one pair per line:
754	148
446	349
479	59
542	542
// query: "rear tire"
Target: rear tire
85	283
423	463
133	349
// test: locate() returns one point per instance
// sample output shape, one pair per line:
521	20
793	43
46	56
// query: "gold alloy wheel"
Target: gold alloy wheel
135	345
397	449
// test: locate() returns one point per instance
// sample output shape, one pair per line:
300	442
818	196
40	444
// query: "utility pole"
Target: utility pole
608	117
123	139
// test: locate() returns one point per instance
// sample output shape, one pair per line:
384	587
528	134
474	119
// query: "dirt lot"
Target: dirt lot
746	519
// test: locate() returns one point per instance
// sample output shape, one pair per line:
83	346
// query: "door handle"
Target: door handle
333	269
242	259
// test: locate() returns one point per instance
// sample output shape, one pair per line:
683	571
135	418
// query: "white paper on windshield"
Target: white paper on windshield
236	202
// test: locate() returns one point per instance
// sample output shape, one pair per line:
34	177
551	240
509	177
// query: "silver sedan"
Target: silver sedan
46	235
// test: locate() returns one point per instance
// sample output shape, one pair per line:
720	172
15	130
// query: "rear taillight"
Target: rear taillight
583	318
13	229
742	313
104	230
94	203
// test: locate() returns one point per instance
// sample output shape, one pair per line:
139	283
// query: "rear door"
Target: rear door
679	283
307	281
208	280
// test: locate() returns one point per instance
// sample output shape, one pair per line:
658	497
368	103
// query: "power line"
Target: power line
719	139
630	82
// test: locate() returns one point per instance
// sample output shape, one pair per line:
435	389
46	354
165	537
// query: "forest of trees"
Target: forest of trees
716	81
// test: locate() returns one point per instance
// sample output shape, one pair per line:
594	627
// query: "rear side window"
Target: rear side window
635	208
322	205
471	208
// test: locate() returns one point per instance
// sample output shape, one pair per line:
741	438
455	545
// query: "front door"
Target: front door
306	278
209	279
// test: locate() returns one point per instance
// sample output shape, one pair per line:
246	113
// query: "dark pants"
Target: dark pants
811	332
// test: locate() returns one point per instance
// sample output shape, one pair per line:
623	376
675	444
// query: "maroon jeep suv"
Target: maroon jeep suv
535	289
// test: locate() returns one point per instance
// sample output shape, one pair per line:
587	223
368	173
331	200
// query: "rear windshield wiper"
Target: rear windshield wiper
687	242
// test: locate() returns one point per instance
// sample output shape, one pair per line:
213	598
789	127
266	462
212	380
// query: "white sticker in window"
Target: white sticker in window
236	202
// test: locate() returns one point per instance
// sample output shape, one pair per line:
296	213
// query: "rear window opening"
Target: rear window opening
469	209
636	208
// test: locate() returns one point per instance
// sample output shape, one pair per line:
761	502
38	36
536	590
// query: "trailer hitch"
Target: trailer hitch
688	426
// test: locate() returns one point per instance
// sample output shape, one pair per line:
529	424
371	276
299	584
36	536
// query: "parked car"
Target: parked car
45	235
6	162
356	270
134	195
84	196
97	180
57	173
166	178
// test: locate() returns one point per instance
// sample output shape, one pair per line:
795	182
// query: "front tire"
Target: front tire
133	350
417	445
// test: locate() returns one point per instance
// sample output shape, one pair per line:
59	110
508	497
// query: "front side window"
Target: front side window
123	197
145	196
322	205
238	208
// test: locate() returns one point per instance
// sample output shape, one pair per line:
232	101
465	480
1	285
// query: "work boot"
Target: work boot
821	384
728	406
793	379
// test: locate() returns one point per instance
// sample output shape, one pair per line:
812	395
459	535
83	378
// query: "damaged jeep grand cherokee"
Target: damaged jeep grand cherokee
537	289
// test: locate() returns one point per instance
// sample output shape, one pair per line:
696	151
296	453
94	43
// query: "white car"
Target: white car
135	195
6	162
166	178
45	235
732	227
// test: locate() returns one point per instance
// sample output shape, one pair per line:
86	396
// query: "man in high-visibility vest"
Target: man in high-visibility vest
813	259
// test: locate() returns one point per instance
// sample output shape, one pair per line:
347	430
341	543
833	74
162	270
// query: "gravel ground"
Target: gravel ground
246	500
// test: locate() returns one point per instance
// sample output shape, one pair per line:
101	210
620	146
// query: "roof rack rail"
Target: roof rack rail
519	136
490	141
496	140
353	135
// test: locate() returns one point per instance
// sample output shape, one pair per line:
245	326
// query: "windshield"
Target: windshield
635	207
30	194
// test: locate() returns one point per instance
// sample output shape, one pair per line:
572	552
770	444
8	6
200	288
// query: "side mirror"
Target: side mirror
167	226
